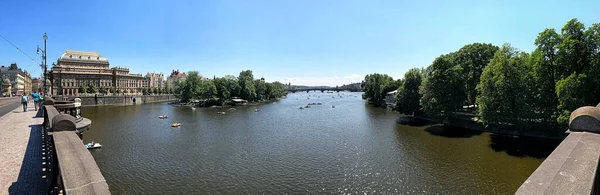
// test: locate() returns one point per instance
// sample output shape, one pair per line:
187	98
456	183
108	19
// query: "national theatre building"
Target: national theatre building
76	68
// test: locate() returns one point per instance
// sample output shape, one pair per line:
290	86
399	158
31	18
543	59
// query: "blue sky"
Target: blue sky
309	42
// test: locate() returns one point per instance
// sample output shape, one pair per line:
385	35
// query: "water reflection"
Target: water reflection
352	148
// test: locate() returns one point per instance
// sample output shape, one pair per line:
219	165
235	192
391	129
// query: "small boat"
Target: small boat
193	108
223	113
257	110
163	116
93	145
332	106
307	106
176	125
301	107
232	109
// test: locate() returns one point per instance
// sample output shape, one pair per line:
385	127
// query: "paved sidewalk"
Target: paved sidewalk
20	152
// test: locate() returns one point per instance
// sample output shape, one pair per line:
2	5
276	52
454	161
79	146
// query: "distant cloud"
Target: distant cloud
320	81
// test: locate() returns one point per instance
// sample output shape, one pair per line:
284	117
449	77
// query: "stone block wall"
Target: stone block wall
122	100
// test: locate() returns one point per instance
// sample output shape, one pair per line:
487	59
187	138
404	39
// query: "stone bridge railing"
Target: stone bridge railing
573	166
67	164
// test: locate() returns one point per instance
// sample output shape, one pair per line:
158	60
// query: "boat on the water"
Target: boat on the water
93	145
232	109
176	125
257	110
301	107
332	106
307	106
163	116
223	113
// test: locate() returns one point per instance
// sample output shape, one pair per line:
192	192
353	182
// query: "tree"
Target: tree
376	87
408	96
247	88
112	89
473	58
83	88
223	92
102	90
573	53
92	89
261	89
206	90
443	89
505	93
544	68
571	93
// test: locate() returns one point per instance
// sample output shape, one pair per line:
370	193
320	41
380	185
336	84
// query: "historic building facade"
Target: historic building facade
20	81
76	68
174	78
155	80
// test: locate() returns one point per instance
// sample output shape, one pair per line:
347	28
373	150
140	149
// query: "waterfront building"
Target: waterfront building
37	85
155	80
174	78
76	68
20	80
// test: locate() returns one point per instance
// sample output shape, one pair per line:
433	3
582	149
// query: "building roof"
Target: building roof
83	56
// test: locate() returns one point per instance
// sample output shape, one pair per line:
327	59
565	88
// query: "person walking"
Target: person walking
24	102
36	99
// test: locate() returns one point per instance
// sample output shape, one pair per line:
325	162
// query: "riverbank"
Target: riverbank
538	131
119	99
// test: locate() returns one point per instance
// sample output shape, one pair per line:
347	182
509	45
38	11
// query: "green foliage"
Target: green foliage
571	93
408	96
443	89
505	93
111	89
221	89
247	87
473	58
102	90
83	88
92	89
376	87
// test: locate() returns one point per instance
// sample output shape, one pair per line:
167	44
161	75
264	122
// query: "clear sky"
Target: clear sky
305	42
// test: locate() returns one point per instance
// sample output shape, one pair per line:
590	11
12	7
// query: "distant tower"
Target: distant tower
214	77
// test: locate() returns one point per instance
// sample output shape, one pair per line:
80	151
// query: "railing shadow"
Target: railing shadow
415	122
523	146
451	132
39	114
30	176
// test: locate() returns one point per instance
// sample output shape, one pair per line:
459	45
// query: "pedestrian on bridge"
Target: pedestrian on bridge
36	99
24	102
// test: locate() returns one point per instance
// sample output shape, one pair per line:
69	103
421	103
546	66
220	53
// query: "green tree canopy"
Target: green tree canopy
247	87
443	89
505	91
408	96
473	58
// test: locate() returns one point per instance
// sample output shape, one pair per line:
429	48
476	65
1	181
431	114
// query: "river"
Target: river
353	148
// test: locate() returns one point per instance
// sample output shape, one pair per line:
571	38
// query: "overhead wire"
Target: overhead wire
36	62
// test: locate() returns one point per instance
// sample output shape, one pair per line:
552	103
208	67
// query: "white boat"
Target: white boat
223	113
257	110
93	145
232	109
163	116
193	108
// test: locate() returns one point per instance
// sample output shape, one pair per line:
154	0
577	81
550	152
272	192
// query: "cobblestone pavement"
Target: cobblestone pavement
20	152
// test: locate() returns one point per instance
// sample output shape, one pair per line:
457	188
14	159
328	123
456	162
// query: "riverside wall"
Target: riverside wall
120	99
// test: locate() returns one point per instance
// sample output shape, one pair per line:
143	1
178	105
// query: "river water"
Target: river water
353	148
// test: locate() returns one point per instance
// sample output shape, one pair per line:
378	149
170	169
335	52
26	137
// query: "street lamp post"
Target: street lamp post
44	66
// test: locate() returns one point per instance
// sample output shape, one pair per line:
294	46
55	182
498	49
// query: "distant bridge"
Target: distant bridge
323	90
